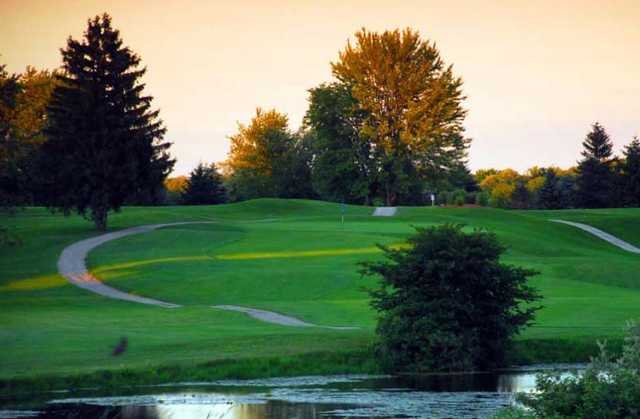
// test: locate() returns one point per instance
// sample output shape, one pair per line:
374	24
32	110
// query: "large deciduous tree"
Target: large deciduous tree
105	143
412	104
594	180
344	168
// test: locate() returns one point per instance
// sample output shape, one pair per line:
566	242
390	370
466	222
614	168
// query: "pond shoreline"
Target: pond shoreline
529	352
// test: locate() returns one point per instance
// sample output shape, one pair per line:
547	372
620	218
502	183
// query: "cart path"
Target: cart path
277	318
602	235
72	266
385	211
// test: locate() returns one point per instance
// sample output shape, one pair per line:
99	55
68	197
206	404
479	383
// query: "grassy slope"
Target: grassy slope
289	256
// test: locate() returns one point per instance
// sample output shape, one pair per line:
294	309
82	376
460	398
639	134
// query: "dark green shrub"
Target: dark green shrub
458	197
445	302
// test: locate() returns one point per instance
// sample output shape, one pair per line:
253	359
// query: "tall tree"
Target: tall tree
344	169
105	143
413	106
594	179
631	174
204	186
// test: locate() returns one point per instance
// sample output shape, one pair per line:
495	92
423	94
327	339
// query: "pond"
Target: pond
478	395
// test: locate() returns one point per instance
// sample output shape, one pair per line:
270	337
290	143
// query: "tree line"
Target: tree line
387	131
599	180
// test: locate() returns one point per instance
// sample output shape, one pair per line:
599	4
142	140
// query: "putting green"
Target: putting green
290	256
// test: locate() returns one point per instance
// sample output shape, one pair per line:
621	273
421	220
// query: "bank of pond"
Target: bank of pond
459	395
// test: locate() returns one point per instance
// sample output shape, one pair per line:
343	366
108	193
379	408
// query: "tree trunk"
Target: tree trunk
387	193
100	218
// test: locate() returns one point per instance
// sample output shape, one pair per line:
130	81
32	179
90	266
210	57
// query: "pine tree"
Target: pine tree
631	174
204	187
594	172
520	197
105	144
549	196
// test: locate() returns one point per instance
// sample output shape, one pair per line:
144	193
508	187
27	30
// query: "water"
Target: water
355	396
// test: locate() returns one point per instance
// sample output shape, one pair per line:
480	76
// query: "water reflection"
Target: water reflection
427	396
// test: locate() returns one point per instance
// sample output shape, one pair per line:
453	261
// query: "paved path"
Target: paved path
277	318
603	235
385	211
72	266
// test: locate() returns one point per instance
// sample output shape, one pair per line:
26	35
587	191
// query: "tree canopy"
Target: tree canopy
412	107
267	160
344	169
105	143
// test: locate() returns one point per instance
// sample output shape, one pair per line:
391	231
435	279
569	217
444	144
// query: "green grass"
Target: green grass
293	257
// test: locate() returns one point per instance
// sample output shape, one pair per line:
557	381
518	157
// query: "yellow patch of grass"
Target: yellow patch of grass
36	283
138	263
304	253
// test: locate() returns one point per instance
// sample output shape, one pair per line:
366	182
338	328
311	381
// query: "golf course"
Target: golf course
292	257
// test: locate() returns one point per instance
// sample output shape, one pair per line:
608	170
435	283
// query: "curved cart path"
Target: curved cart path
602	235
72	266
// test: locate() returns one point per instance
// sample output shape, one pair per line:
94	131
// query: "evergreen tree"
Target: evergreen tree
549	196
594	181
204	187
105	144
631	174
567	188
520	197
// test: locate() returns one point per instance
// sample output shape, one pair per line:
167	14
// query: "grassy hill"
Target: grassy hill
290	256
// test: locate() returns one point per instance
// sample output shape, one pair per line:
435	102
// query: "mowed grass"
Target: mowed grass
290	256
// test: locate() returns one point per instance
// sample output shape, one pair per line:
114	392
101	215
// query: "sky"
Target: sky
536	73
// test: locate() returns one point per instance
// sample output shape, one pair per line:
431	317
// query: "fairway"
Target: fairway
293	257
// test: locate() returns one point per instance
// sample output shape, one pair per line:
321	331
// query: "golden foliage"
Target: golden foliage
176	184
29	115
412	100
535	184
254	146
501	194
506	176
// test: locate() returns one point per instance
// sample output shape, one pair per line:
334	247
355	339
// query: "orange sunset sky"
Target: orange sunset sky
536	73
